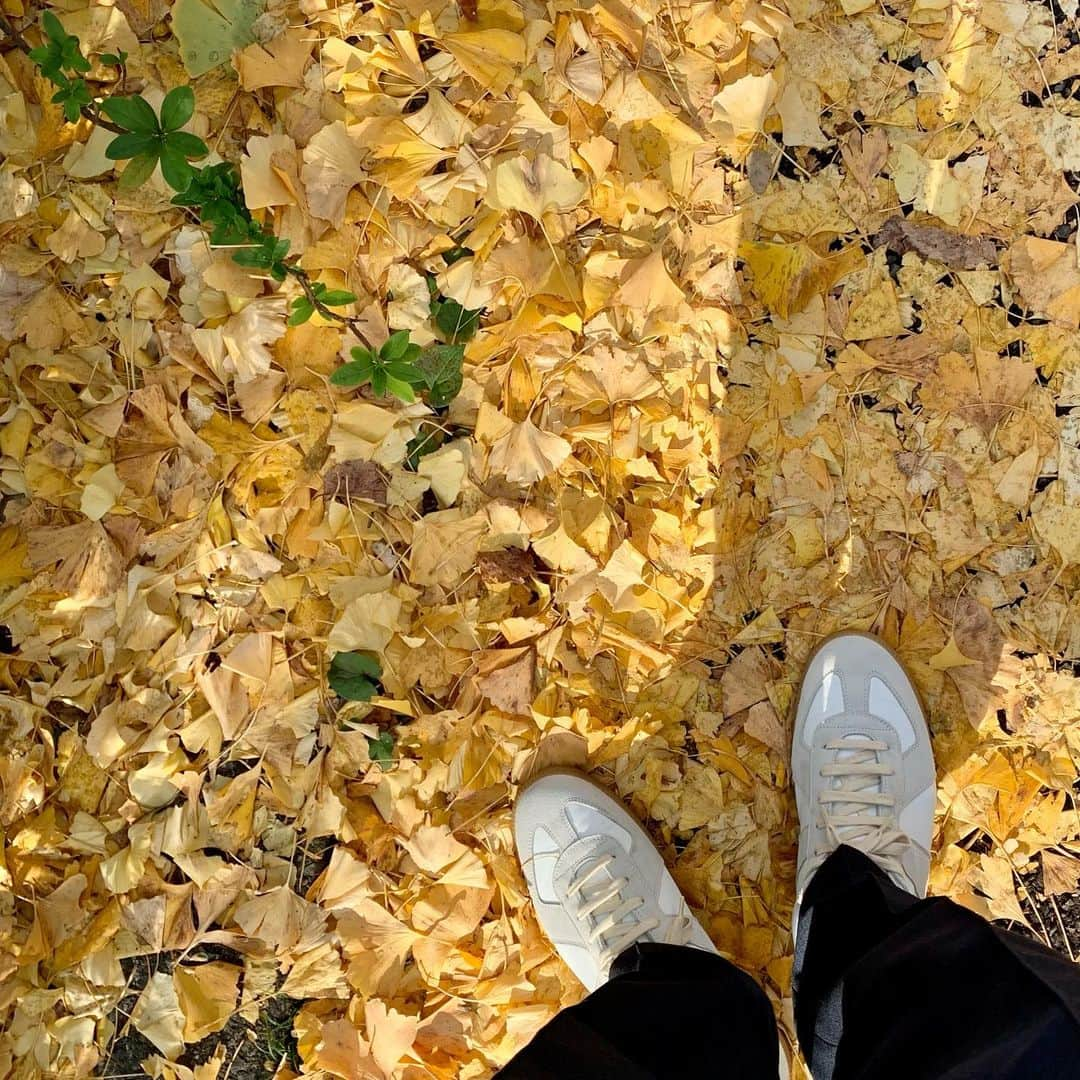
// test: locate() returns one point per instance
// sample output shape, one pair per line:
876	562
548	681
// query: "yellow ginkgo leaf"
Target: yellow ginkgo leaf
157	1015
207	997
535	186
787	276
950	657
489	56
526	454
279	62
13	564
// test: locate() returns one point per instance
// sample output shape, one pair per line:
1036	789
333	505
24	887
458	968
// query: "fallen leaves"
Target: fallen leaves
955	250
1048	276
534	187
739	331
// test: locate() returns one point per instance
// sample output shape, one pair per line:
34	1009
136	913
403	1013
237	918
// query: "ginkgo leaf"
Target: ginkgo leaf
206	994
534	186
247	336
209	32
490	56
367	624
647	286
101	493
741	108
526	454
786	276
621	575
280	62
158	1017
334	163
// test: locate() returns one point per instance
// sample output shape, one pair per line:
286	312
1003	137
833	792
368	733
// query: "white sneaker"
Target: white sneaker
597	882
862	763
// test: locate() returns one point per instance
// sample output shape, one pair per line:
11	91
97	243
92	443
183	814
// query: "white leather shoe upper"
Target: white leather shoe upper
597	882
862	763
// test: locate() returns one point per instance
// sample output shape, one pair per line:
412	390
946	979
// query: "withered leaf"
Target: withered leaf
508	564
360	481
506	678
954	249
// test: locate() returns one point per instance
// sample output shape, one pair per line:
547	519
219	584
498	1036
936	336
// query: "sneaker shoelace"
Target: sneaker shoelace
605	910
855	808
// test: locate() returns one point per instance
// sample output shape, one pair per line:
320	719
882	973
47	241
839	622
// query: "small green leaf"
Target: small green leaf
191	146
354	676
72	55
133	113
53	27
336	298
175	168
40	56
73	95
302	310
427	442
395	345
360	353
378	381
441	368
355	374
357	663
114	59
139	169
72	109
177	108
130	145
381	750
455	322
398	387
402	369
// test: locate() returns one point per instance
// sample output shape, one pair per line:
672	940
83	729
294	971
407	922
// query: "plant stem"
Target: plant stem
14	35
304	282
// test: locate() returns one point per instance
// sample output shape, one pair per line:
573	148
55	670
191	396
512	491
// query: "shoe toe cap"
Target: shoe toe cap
857	674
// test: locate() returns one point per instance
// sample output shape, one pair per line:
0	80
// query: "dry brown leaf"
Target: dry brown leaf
1061	874
506	678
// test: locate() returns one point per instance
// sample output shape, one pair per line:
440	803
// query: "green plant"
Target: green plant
390	369
381	750
303	307
216	194
148	138
441	369
61	61
457	324
354	676
427	440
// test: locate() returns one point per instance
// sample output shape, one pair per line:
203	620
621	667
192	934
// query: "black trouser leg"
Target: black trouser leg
668	1011
890	987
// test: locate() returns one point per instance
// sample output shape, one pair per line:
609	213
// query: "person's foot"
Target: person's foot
862	763
597	882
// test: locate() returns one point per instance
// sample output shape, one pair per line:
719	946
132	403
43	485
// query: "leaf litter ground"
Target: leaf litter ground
779	336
